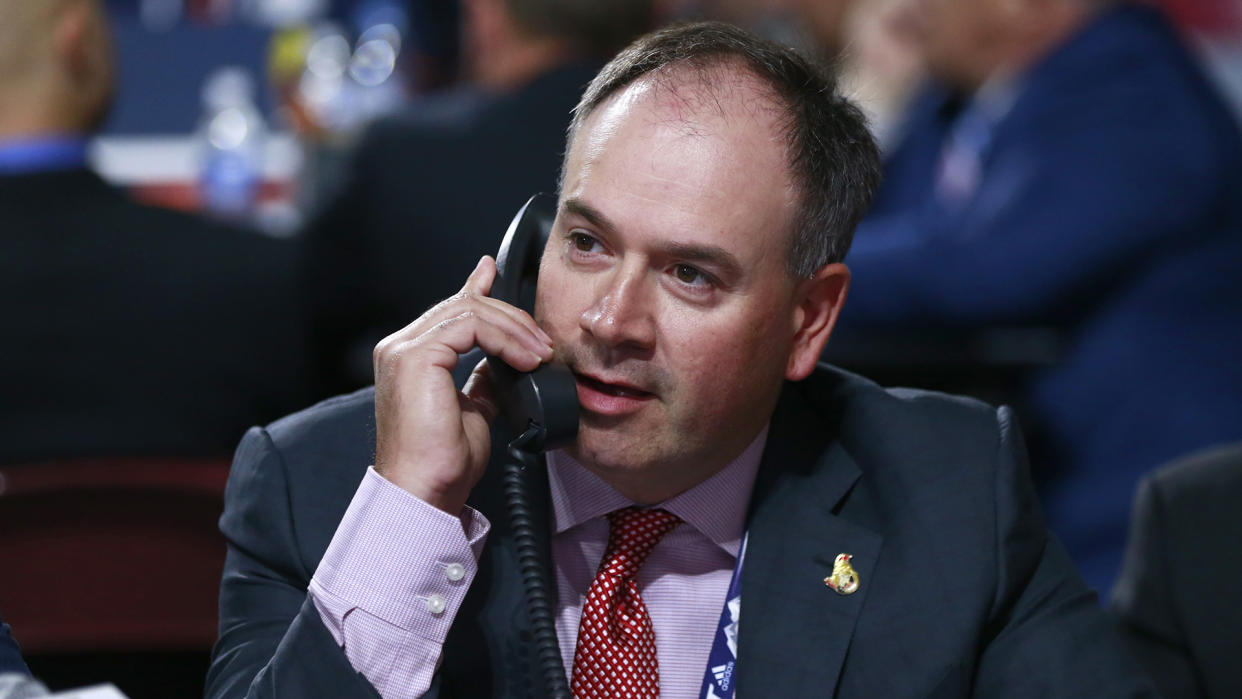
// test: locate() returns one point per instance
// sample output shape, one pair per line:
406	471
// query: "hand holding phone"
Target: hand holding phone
542	404
435	441
431	439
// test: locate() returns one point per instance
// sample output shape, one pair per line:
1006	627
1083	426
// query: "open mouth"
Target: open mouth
611	389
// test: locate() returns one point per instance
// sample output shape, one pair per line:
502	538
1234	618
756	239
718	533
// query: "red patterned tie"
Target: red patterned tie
616	653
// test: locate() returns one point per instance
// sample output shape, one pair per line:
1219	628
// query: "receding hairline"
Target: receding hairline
690	82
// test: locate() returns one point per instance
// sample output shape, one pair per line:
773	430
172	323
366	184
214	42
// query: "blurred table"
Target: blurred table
164	171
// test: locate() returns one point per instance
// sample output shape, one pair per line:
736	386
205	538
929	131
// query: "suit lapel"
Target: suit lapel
795	630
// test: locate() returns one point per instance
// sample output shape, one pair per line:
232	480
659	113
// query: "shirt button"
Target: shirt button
436	604
455	571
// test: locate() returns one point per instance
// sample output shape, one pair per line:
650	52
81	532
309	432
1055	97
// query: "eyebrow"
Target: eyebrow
590	213
727	265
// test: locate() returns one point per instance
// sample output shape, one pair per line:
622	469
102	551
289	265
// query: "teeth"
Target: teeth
613	389
619	390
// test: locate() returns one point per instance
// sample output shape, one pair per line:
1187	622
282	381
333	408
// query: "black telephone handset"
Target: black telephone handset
541	407
546	399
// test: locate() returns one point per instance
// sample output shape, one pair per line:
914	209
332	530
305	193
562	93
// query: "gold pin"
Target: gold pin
844	579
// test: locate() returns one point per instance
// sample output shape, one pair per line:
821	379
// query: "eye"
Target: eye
690	276
583	242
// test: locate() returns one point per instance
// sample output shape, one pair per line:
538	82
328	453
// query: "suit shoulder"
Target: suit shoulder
856	398
323	453
429	118
199	242
893	431
1199	480
1133	77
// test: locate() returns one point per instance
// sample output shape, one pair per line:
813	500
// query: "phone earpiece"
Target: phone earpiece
546	398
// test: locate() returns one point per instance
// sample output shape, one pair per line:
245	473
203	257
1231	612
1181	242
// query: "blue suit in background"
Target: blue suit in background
1099	193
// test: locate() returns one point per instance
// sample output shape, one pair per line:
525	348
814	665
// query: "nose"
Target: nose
622	314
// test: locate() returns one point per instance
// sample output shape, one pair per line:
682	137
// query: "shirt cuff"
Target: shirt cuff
400	559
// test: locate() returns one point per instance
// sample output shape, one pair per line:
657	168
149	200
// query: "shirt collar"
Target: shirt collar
716	507
49	152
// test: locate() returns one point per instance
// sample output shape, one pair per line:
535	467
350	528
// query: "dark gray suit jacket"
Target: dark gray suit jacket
962	591
1178	602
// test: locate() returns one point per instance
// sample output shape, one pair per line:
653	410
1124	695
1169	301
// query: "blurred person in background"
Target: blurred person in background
430	190
128	331
871	43
881	61
1071	168
1178	602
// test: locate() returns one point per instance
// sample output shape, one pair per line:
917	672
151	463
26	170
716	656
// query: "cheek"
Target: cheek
728	358
549	310
553	300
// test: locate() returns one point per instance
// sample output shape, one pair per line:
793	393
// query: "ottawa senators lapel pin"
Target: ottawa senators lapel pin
844	579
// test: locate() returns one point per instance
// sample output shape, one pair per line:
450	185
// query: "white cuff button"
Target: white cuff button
455	571
436	604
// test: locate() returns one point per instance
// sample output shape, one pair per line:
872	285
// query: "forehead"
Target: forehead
689	152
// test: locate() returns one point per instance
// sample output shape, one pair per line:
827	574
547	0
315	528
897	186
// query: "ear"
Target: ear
83	46
819	301
71	38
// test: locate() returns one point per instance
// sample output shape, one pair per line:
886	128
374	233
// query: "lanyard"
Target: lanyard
719	682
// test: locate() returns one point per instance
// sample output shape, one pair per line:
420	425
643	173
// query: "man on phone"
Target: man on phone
731	518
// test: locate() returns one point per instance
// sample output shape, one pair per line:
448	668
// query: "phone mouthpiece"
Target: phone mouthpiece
546	398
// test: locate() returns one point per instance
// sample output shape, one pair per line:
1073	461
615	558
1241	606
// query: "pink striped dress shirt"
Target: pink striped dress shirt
397	570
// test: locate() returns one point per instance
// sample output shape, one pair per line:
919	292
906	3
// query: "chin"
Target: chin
607	452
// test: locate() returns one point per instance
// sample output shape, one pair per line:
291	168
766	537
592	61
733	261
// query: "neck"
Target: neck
652	485
24	115
656	483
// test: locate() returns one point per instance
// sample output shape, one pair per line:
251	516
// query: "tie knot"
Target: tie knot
632	534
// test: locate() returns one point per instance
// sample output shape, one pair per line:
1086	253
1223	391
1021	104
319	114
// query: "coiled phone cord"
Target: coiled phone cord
547	649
